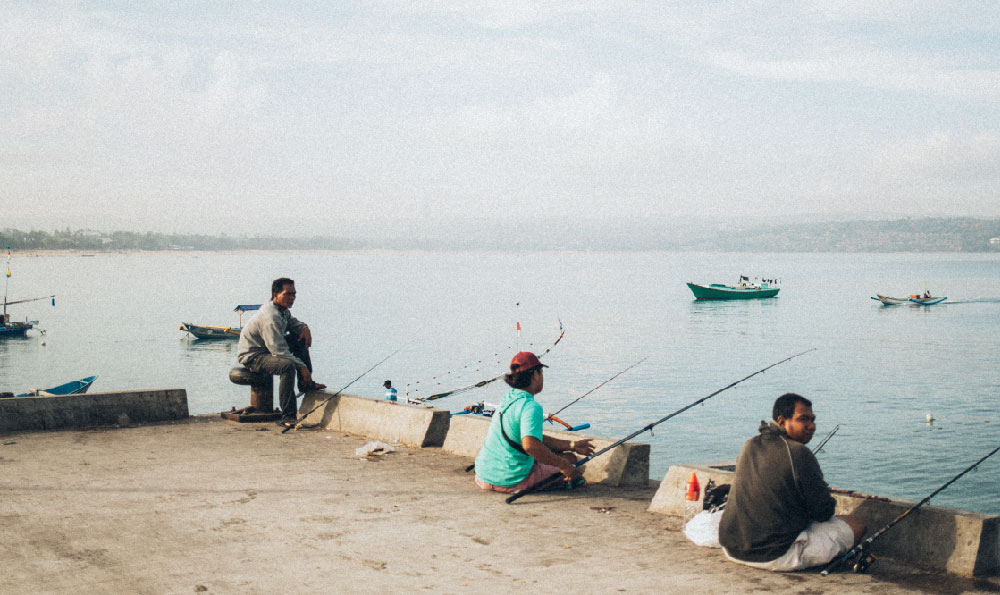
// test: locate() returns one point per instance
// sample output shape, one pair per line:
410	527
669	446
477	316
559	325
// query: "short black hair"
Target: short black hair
520	379
278	285
784	406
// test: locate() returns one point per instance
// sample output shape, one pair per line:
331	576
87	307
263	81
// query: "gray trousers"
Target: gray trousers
287	371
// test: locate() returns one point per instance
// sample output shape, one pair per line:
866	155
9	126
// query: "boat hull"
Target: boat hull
728	292
76	387
211	332
928	301
889	301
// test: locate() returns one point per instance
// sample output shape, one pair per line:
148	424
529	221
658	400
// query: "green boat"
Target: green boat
743	291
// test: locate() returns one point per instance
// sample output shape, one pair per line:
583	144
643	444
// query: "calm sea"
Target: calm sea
876	371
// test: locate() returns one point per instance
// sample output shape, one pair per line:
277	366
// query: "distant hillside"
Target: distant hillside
902	235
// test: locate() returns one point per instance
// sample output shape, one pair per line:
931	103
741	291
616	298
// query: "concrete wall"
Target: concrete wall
939	539
384	420
625	465
92	409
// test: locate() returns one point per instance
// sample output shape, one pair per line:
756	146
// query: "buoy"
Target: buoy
930	418
693	489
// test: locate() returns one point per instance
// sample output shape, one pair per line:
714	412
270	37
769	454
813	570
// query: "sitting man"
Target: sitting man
516	454
780	512
275	342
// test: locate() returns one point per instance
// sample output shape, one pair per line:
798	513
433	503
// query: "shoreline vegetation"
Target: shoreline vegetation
900	235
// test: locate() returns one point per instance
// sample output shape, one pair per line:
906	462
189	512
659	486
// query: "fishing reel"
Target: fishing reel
862	560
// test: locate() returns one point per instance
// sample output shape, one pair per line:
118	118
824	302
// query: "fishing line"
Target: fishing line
552	416
552	478
481	383
298	422
862	549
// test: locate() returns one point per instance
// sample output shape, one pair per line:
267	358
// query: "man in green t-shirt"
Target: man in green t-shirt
516	454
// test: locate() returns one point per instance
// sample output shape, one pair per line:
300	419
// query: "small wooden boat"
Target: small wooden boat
926	299
890	301
200	331
76	387
745	290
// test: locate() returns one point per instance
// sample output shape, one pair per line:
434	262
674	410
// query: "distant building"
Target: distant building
995	243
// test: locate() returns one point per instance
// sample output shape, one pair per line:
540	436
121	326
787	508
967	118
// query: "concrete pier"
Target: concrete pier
92	409
385	420
210	506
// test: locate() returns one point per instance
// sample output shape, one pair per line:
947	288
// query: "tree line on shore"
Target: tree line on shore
901	235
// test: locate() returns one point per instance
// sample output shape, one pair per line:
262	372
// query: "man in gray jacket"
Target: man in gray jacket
779	515
275	342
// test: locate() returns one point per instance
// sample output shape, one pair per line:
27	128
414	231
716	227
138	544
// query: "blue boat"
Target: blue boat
926	300
76	387
16	328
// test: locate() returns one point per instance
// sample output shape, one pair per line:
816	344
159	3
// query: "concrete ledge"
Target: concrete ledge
92	409
935	538
625	466
391	422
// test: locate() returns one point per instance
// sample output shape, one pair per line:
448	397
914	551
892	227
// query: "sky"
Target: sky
311	117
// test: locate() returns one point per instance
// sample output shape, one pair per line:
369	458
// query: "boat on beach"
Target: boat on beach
200	331
75	387
744	290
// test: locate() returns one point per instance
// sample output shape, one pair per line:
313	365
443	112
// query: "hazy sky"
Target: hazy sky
256	116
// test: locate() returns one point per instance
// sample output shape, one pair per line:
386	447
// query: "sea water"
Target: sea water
875	371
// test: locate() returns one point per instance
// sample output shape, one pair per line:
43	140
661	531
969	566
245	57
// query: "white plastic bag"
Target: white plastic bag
375	447
703	529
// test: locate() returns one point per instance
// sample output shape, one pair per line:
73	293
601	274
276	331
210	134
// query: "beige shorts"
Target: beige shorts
817	545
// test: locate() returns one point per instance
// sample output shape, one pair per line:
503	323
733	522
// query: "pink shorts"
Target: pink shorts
539	472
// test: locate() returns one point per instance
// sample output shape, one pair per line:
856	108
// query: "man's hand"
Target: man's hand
307	337
584	446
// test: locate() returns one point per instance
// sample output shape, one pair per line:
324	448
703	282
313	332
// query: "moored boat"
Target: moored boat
744	290
201	331
75	387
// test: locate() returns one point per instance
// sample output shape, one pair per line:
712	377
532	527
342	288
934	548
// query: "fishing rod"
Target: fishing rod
483	383
822	443
298	422
552	478
862	549
552	416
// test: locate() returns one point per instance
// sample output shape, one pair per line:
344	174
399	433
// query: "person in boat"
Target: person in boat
779	515
275	342
927	293
390	393
516	454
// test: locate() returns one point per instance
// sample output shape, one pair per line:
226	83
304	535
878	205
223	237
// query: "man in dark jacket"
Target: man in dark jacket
780	512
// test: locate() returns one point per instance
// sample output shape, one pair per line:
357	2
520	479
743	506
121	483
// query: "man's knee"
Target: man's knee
857	526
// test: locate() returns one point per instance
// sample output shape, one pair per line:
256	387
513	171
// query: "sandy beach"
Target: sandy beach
205	505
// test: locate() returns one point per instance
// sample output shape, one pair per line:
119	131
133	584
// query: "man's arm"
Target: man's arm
274	340
820	505
541	453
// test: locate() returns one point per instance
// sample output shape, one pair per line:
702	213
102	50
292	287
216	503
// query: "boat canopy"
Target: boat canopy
246	308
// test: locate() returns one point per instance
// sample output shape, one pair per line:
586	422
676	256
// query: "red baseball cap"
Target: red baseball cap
525	360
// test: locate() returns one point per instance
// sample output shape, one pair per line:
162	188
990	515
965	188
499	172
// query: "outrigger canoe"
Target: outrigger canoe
743	291
76	387
890	301
200	331
927	300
